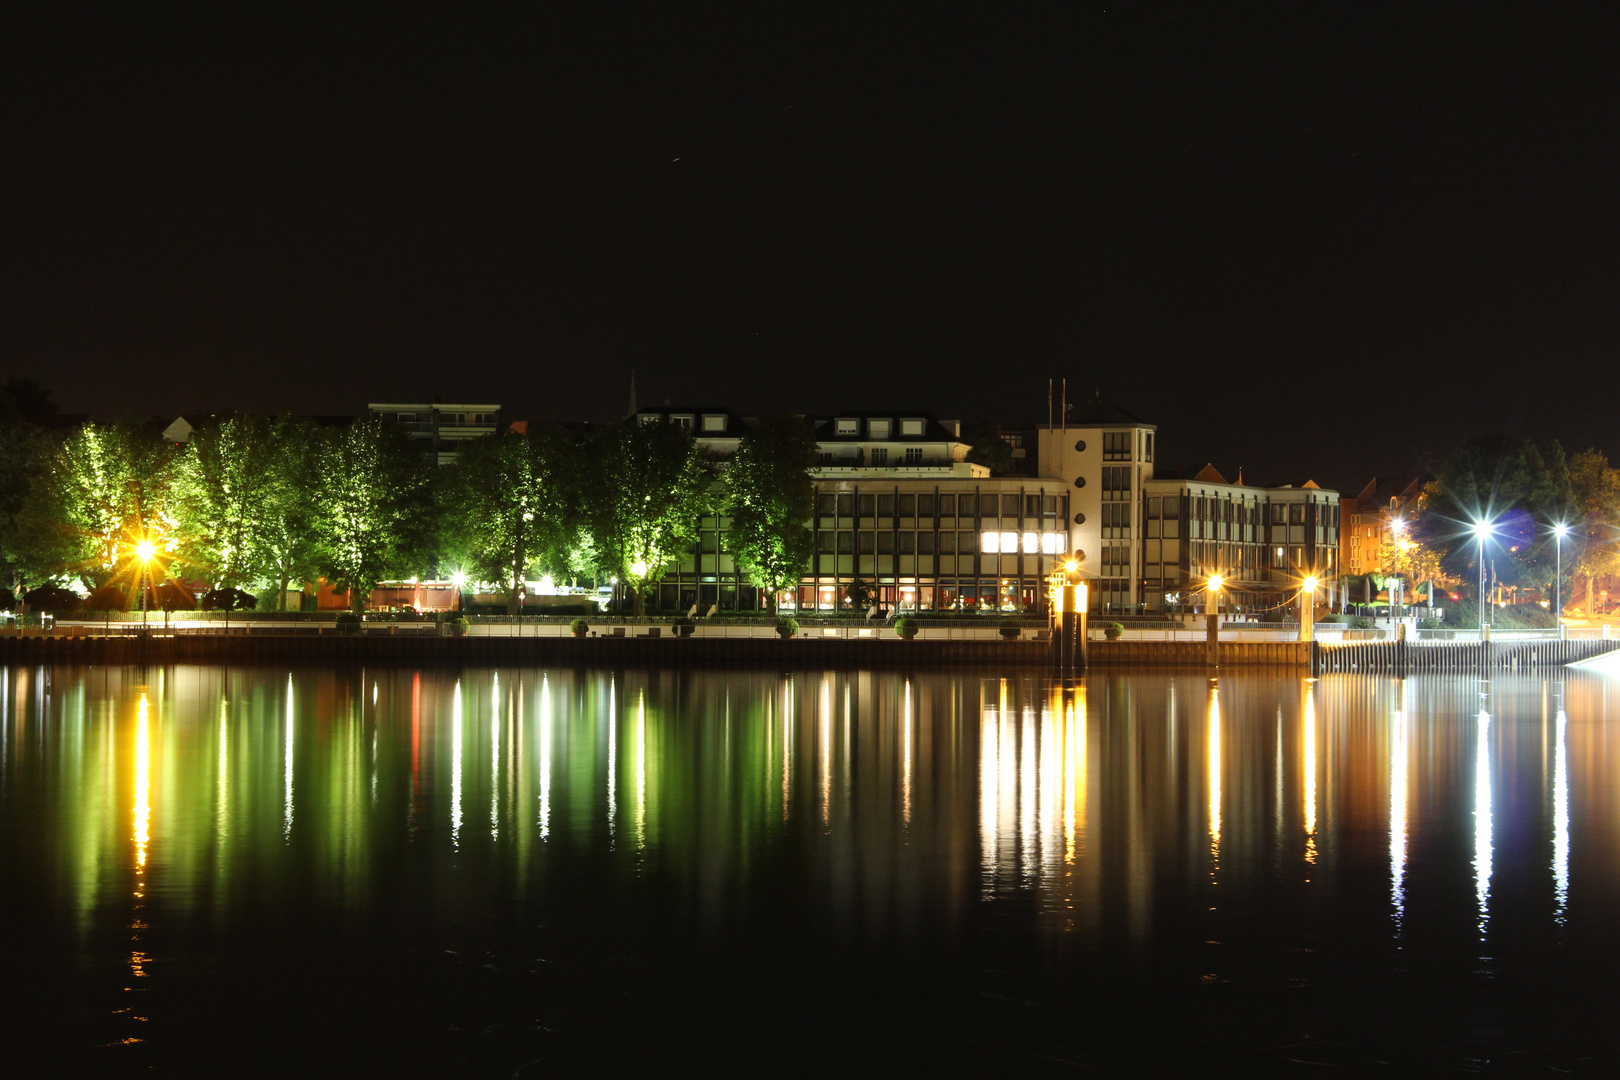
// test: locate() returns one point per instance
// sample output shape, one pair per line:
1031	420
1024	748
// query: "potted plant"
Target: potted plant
348	622
1112	630
787	627
906	627
580	627
684	627
458	627
1011	631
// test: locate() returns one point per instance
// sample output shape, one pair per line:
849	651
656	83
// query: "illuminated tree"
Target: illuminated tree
1591	550
27	444
287	530
225	488
372	504
507	508
650	483
771	499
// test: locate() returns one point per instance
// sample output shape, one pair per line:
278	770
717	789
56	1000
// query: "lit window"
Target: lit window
911	427
1009	543
1032	543
1052	543
714	422
682	422
992	543
877	429
848	426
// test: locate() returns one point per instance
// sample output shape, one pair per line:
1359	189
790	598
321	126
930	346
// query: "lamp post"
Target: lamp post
144	551
1396	527
1482	529
1307	609
1212	614
1560	531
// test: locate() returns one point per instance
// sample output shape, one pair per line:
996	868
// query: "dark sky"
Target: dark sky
1325	240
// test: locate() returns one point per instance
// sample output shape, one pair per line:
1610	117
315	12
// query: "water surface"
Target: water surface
498	872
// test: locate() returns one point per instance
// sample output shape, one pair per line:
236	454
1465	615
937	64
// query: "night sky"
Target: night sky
1311	240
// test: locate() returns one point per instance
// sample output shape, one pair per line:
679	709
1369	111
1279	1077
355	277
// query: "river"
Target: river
499	872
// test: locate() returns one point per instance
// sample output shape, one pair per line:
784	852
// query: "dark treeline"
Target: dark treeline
258	503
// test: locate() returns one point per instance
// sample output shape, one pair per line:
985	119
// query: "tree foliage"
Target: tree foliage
651	483
373	506
770	496
225	489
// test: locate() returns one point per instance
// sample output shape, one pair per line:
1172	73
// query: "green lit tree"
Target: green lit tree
372	494
225	487
648	484
506	508
28	442
288	529
770	497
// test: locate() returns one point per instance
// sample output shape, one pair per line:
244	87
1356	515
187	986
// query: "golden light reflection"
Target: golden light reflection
1075	764
287	767
1482	821
824	748
905	756
1309	785
1214	759
641	769
143	784
613	762
787	748
495	758
989	791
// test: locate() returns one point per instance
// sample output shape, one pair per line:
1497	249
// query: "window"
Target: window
989	506
1116	446
914	455
966	543
824	505
877	429
925	506
911	427
650	418
1005	543
1052	543
847	426
846	506
683	421
1032	506
1172	507
1116	480
865	543
879	456
1032	543
1296	514
925	543
947	506
1153	508
908	505
1009	506
866	505
1279	514
1147	450
714	422
885	541
990	543
947	543
710	543
824	542
908	543
846	543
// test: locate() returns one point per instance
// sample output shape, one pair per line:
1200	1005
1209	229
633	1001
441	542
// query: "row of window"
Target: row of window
829	542
878	427
929	506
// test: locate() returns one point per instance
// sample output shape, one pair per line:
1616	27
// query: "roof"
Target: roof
1100	412
1209	475
933	429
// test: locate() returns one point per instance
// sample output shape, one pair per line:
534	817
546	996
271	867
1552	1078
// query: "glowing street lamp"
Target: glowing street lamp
1307	608
1482	530
1560	531
145	551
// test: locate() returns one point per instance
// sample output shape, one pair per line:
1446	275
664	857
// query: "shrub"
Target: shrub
579	626
1362	622
905	626
1112	630
789	624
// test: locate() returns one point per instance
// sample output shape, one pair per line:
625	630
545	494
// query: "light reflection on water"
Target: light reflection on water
910	798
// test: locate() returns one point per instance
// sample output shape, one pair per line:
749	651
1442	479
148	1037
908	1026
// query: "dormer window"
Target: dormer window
911	427
682	421
650	418
714	421
847	426
877	429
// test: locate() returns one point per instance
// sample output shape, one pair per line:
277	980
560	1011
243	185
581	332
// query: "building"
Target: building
899	511
1365	543
440	429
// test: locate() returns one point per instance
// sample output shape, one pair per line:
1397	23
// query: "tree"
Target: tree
224	492
986	447
771	498
288	529
27	444
506	508
371	497
1590	551
649	485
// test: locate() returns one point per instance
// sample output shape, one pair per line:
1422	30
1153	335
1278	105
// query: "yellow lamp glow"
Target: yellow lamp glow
1215	582
1071	566
1308	585
145	550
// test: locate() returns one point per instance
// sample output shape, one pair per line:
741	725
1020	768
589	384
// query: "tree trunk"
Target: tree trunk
635	595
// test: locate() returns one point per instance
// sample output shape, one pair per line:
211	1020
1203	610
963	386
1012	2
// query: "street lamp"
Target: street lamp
1560	531
144	551
1307	608
1482	529
1396	527
1215	583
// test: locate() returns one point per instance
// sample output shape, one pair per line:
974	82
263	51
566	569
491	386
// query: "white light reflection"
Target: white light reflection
495	759
287	766
545	757
1397	809
989	792
1482	821
613	761
1560	866
455	768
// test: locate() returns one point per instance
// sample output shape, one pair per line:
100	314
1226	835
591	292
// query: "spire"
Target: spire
634	408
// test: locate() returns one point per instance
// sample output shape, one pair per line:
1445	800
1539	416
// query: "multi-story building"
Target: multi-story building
1365	546
440	429
899	511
